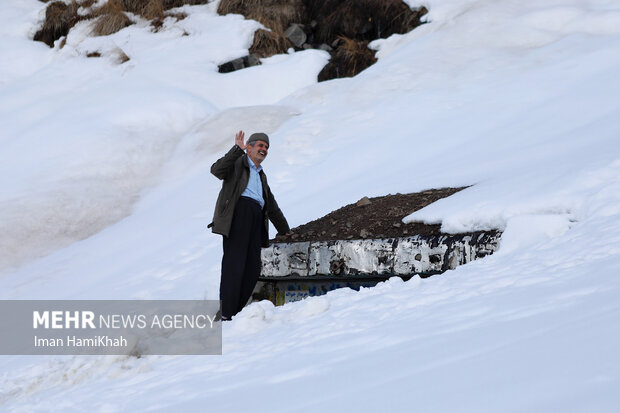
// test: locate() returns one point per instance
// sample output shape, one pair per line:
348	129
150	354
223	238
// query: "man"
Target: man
242	213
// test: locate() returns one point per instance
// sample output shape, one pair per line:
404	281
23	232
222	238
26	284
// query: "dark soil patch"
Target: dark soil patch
379	217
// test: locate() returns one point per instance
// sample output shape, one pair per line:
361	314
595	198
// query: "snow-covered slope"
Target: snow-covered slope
106	193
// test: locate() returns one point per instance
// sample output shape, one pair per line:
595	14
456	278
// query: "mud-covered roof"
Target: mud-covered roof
378	217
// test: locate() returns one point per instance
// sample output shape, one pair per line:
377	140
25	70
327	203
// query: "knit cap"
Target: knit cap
259	136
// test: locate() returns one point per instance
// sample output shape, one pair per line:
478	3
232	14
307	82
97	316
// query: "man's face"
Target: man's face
258	152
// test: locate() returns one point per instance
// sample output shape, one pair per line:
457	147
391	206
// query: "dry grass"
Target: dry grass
132	6
356	55
121	56
111	18
149	9
179	15
351	57
86	3
276	15
112	6
268	43
59	18
154	9
111	23
117	54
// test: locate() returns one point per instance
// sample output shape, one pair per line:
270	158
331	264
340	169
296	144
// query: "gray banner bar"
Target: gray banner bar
110	327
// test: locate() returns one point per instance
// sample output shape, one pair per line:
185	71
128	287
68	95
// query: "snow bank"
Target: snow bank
83	137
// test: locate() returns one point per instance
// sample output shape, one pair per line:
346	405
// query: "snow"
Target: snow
105	193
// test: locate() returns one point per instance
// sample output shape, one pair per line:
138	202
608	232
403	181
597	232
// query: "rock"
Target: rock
363	202
325	47
336	267
226	67
252	60
396	225
453	261
418	257
435	258
296	35
306	46
238	63
364	233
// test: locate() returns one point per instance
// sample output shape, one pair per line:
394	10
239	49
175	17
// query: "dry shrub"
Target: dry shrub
111	19
268	43
149	9
121	56
86	3
132	6
362	19
179	15
351	57
111	7
59	18
111	23
154	9
117	54
277	15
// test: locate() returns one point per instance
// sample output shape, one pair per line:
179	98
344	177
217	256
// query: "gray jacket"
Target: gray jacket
233	168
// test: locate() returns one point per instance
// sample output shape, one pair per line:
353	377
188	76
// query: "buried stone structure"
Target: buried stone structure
294	269
390	256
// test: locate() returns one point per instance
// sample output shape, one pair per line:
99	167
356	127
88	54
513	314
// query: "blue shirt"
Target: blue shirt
254	189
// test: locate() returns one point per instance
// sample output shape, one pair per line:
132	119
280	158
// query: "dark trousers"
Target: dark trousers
241	263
